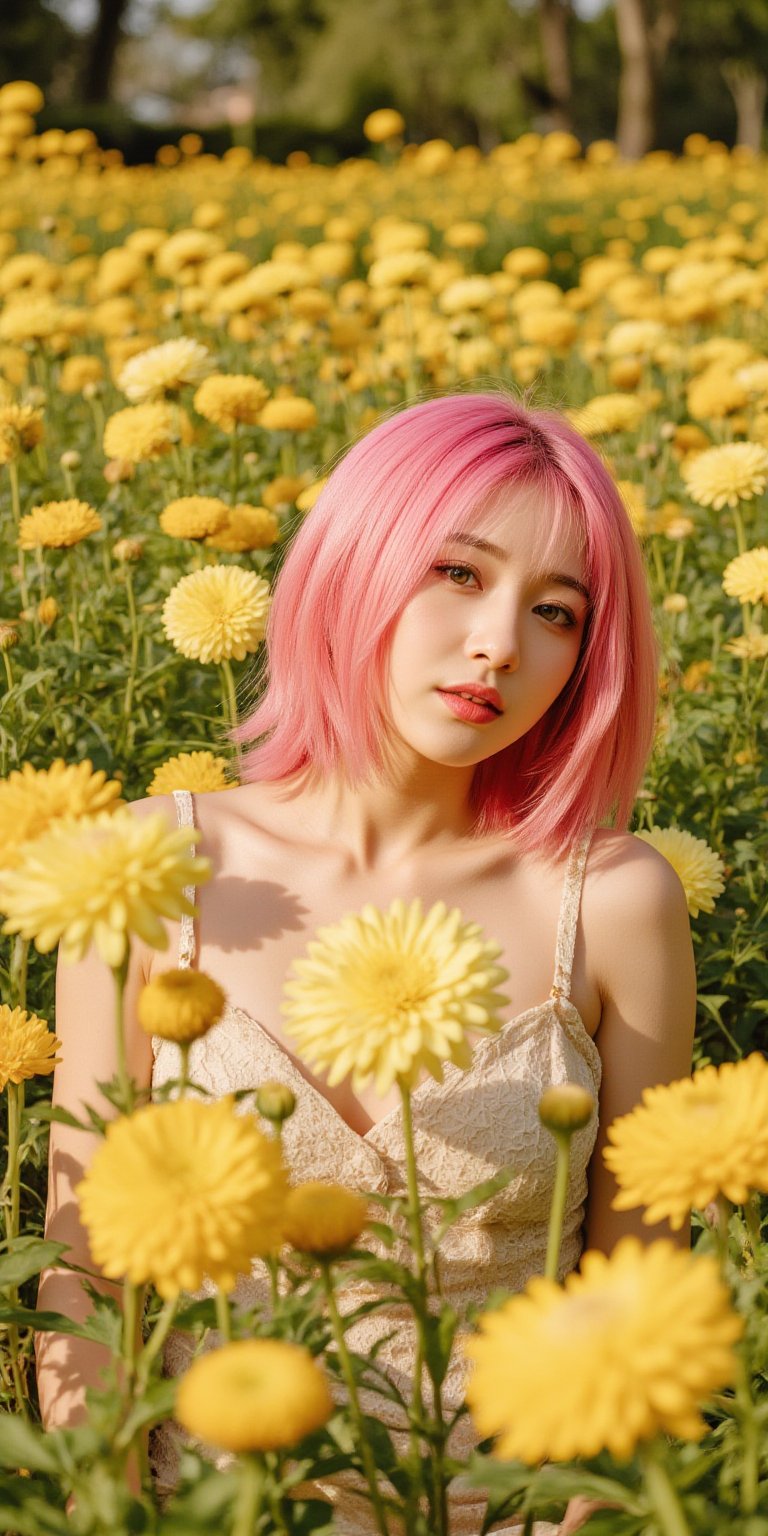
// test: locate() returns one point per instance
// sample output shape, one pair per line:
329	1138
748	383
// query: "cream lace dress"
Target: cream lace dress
466	1128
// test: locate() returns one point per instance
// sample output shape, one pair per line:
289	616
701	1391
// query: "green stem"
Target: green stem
366	1454
250	1497
73	607
557	1209
184	1075
120	974
130	685
438	1500
19	958
223	1317
234	482
8	671
661	1493
750	1467
724	1209
230	694
13	475
131	1298
753	1223
738	524
156	1341
11	1185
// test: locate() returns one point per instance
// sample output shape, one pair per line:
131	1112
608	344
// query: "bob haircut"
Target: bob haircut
364	550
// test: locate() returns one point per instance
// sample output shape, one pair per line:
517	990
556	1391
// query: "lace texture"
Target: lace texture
466	1128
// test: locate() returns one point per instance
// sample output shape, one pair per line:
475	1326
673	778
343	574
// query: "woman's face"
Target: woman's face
488	618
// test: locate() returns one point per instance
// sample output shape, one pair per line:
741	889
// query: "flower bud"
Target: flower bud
566	1108
117	470
71	459
675	602
128	549
275	1101
9	634
47	610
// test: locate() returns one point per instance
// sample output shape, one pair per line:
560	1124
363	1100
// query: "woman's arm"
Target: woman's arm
638	935
85	1024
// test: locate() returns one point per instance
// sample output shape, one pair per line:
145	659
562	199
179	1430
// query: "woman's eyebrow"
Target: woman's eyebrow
487	548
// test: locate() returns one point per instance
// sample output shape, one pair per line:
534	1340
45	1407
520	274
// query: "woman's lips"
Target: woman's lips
468	709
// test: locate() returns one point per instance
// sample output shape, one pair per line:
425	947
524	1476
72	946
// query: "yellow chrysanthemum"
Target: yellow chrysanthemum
400	269
217	614
58	525
746	577
33	799
608	413
27	1046
699	868
201	772
140	432
633	497
383	124
21	96
288	413
180	1005
254	1395
384	994
165	369
231	400
180	1191
33	319
306	499
724	476
194	517
689	1141
78	371
323	1219
627	1348
750	647
21	429
246	528
100	880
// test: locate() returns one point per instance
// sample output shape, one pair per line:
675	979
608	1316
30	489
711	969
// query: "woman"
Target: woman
465	547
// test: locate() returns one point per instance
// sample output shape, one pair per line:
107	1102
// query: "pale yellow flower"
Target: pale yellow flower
323	1219
217	614
180	1005
689	1141
141	432
750	647
746	577
288	413
231	400
200	772
99	880
180	1191
246	528
628	1348
194	517
383	124
21	429
58	525
27	1046
254	1395
608	413
400	269
698	867
33	799
383	995
165	369
726	475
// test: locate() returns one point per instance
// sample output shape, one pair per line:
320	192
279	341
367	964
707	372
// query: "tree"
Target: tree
645	37
555	18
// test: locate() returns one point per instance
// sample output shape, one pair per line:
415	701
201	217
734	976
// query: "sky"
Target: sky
81	14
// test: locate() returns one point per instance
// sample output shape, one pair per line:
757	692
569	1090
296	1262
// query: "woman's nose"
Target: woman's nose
498	644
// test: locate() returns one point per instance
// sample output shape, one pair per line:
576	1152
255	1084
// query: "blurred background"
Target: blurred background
287	75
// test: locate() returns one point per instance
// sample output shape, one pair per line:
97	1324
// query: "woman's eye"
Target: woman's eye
563	618
449	570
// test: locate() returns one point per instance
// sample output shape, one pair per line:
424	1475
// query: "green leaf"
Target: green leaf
384	1233
156	1404
439	1334
24	1445
42	1322
28	1257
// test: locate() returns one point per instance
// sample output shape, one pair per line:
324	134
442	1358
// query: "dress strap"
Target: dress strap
569	915
185	813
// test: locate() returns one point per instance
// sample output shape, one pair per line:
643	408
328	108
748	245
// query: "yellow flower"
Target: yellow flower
217	614
180	1005
400	268
465	235
385	123
627	1348
288	413
9	634
100	880
689	1141
33	799
323	1219
193	517
724	476
254	1395
633	497
27	1046
79	370
21	429
750	647
306	499
229	400
201	772
140	432
246	528
21	96
182	1190
526	261
746	577
165	369
58	525
283	490
383	995
698	867
608	413
566	1107
34	319
48	611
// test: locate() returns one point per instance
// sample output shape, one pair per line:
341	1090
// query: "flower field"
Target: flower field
185	350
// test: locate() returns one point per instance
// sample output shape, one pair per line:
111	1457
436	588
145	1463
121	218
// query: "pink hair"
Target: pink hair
364	550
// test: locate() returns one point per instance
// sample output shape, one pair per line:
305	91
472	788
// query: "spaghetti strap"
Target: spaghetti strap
569	916
185	813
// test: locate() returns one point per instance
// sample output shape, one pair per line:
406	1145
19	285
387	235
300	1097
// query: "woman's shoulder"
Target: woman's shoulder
622	865
631	895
